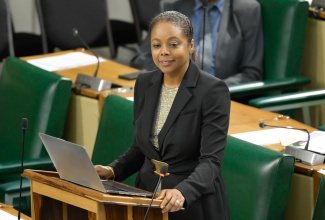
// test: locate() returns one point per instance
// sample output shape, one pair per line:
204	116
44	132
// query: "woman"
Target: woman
181	117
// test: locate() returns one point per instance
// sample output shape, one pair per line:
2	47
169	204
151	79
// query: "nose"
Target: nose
164	51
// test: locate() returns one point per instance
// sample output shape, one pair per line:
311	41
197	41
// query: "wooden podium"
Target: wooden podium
54	198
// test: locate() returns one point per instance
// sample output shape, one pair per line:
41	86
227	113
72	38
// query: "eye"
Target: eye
173	44
156	45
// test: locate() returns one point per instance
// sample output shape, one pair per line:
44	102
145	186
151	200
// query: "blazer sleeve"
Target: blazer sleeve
214	129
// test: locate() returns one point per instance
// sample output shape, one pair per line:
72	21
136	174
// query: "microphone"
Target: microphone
75	33
24	124
306	156
86	81
263	125
163	171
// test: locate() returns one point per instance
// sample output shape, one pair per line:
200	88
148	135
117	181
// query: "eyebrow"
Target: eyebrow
170	38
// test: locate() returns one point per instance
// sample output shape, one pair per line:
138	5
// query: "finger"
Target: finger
165	202
174	207
170	207
162	194
103	171
97	167
178	204
171	204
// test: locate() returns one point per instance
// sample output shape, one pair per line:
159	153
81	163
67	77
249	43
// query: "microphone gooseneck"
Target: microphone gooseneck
163	171
263	125
75	33
24	125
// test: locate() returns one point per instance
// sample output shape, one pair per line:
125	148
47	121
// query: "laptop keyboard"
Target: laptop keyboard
116	188
110	186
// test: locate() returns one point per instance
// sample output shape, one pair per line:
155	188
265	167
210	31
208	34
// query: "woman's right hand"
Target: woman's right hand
105	172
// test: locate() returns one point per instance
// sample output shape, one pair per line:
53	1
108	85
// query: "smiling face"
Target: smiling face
170	48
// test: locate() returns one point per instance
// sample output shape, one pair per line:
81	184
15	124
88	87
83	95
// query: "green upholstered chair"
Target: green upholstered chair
115	132
285	26
292	101
257	180
322	128
319	211
42	97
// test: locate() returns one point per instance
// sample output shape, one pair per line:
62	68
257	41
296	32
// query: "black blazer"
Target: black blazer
192	141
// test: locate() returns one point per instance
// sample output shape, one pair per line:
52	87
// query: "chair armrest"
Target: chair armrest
267	86
302	98
322	128
15	166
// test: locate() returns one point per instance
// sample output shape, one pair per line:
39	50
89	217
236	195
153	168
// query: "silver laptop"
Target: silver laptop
74	165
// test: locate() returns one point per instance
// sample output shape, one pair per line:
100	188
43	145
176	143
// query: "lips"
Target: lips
165	62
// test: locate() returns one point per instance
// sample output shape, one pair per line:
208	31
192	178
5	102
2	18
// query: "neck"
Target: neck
172	82
174	78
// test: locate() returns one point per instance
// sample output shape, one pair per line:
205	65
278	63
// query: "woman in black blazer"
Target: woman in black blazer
181	117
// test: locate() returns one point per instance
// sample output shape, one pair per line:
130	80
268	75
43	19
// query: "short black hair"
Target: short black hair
176	18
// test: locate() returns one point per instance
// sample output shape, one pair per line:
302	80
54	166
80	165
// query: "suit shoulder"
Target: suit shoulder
147	76
208	80
246	6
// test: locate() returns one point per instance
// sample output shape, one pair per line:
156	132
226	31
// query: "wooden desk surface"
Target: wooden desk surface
316	13
9	209
244	118
108	70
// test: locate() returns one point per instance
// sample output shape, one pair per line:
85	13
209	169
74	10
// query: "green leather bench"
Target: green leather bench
291	101
115	132
257	181
319	211
42	97
285	26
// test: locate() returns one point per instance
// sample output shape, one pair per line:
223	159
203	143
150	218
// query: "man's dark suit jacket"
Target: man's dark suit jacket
192	141
240	48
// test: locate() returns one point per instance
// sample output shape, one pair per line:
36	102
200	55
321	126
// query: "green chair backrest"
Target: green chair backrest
319	211
42	97
257	180
115	132
285	26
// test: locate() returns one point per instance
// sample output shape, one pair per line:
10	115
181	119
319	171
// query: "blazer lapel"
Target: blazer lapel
182	97
151	98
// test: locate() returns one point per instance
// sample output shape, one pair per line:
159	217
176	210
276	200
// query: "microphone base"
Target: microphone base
306	157
91	82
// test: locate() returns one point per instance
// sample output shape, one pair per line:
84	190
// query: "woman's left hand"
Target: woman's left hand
172	200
